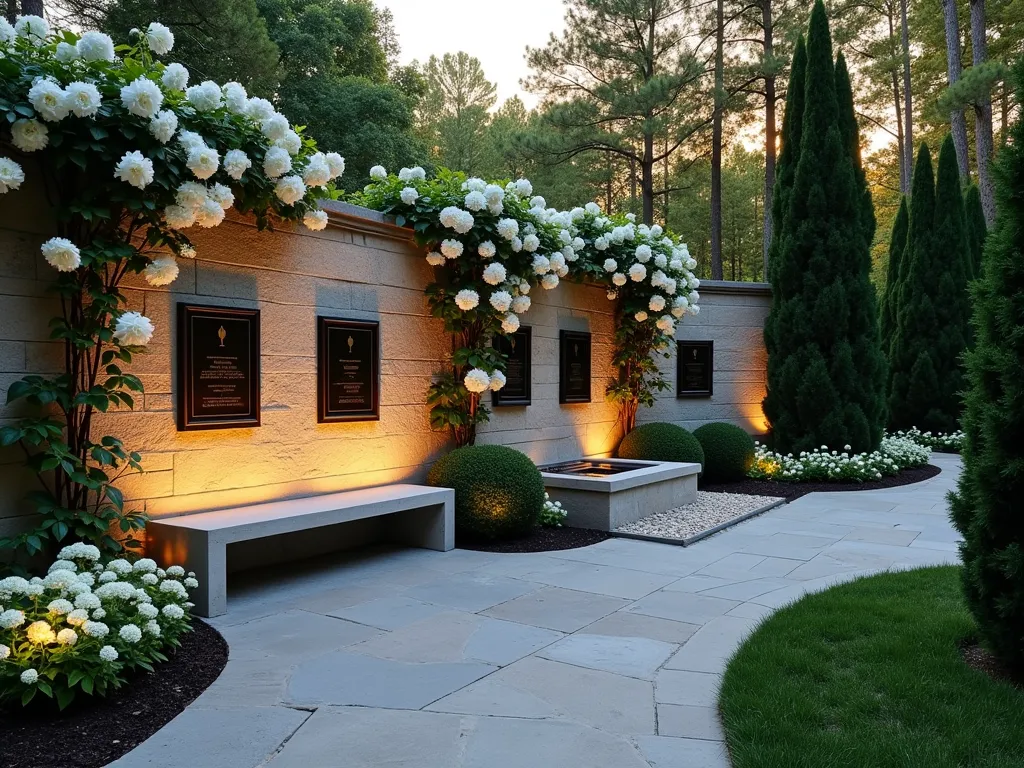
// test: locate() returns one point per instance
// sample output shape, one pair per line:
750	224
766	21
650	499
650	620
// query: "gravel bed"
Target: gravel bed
710	509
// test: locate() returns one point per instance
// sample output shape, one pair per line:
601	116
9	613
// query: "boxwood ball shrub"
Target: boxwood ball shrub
728	452
661	442
499	491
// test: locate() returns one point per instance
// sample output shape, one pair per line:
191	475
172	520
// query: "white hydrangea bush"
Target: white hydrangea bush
552	514
951	442
86	623
820	465
135	154
490	247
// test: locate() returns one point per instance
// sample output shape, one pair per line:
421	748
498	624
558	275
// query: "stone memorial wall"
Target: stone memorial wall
322	424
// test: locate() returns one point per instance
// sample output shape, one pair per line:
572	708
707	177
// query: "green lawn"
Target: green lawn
869	674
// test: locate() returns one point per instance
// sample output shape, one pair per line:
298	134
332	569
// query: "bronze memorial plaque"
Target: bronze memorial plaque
695	365
218	367
517	348
348	370
574	367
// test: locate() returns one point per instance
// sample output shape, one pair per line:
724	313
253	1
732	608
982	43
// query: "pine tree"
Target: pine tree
986	508
851	138
933	307
826	373
976	228
897	244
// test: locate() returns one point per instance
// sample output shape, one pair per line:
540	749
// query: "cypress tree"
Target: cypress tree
986	507
897	244
932	325
826	373
792	119
976	228
851	138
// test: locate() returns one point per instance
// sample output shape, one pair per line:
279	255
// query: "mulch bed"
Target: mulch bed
540	540
791	491
93	732
977	657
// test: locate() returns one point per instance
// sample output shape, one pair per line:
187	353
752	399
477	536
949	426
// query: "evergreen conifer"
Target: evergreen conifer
976	228
986	507
897	244
826	372
851	138
933	307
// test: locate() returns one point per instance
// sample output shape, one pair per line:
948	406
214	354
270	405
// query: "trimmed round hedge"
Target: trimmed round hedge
728	452
499	492
661	442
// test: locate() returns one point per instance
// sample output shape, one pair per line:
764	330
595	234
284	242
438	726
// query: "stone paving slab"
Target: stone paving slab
608	656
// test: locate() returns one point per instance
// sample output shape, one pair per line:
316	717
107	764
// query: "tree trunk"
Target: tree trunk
716	145
982	116
30	7
957	121
898	104
908	111
647	178
769	131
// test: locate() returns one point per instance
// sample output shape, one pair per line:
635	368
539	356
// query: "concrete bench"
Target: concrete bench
424	517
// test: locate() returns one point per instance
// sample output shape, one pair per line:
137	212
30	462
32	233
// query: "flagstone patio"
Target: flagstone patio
607	656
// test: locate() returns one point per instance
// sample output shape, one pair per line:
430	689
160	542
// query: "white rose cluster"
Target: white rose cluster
68	620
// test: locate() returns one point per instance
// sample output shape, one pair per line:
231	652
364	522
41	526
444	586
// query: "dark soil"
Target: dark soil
93	732
979	658
791	491
540	540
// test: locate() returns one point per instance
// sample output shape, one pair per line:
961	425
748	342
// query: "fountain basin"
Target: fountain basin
606	493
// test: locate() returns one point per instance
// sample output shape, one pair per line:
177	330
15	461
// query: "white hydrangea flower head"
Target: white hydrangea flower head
549	281
640	316
276	162
290	189
61	254
258	109
497	381
83	99
29	677
33	28
337	165
108	653
531	243
524	188
495	273
47	97
175	571
661	260
467	299
67	636
60	607
236	163
501	300
510	323
120	566
610	265
132	329
435	259
601	243
173	611
409	195
507	228
541	264
153	628
148	610
521	304
136	169
223	196
11	618
209	214
612	295
163	126
65	54
149	579
95	46
62	565
517	245
235	97
557	262
5	652
315	220
275	127
80	551
163	270
487	250
142	98
643	253
130	633
592	208
619	279
378	172
29	135
191	582
291	142
87	601
179	217
205	97
477	381
538	202
159	38
637	272
174	77
666	325
40	633
451	248
656	303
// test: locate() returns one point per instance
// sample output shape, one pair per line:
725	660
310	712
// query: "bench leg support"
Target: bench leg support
430	527
195	551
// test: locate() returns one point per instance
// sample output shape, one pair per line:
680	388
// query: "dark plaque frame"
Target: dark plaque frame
188	418
325	414
565	338
685	387
524	351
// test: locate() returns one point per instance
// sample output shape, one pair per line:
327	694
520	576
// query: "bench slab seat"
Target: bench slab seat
424	517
